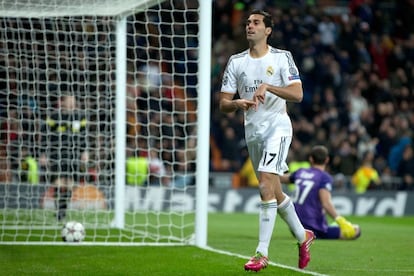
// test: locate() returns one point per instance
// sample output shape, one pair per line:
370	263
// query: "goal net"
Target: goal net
100	122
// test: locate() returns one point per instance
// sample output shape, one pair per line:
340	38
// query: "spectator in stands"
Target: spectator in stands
230	148
328	31
366	177
28	168
137	169
133	95
379	53
396	152
11	137
358	103
248	175
406	168
158	175
151	73
184	169
345	158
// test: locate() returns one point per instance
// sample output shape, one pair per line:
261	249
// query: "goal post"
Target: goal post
203	133
140	82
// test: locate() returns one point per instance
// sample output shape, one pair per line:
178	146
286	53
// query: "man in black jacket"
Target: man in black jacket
64	141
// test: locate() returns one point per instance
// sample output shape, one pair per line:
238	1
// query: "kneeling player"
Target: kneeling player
313	199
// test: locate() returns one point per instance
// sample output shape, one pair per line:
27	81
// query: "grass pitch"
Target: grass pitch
385	248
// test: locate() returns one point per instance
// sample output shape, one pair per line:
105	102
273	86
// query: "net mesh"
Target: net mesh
57	162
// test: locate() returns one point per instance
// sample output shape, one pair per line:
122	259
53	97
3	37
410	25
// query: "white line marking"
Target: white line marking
270	263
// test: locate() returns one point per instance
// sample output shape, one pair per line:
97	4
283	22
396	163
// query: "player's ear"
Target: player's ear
268	31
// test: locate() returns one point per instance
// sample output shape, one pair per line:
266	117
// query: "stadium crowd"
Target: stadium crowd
355	60
356	64
46	58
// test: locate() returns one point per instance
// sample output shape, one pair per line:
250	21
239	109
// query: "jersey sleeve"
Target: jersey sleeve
229	82
326	182
289	70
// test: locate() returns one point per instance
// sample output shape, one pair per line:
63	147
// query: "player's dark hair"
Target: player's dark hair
267	18
319	154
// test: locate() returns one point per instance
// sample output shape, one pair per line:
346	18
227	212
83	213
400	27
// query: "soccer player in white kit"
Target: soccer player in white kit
265	78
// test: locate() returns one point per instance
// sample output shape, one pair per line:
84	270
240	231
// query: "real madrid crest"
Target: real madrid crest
269	71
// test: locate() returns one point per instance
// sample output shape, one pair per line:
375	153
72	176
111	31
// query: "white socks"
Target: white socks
288	213
267	217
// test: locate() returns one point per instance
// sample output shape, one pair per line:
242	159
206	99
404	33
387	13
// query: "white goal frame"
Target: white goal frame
120	9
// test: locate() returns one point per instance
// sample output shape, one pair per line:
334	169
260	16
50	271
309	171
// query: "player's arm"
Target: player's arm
292	93
348	230
227	104
326	202
285	179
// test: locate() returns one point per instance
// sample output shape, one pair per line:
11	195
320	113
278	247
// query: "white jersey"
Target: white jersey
244	74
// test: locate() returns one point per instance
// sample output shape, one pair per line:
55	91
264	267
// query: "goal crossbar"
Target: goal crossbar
59	8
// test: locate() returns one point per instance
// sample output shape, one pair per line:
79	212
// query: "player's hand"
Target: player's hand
260	94
347	229
244	104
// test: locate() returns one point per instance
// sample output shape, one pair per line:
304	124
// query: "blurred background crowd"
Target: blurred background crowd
356	61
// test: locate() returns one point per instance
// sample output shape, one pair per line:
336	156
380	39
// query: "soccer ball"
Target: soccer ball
73	231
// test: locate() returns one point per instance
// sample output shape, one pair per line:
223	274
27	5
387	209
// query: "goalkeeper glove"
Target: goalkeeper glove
347	229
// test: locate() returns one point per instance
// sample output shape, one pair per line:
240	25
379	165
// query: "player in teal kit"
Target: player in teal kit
312	199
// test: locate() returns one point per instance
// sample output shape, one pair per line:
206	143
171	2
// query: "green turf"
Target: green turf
385	248
143	227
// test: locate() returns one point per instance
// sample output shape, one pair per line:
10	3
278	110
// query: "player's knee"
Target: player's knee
266	191
282	199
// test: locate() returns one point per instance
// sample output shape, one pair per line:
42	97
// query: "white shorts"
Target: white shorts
270	155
